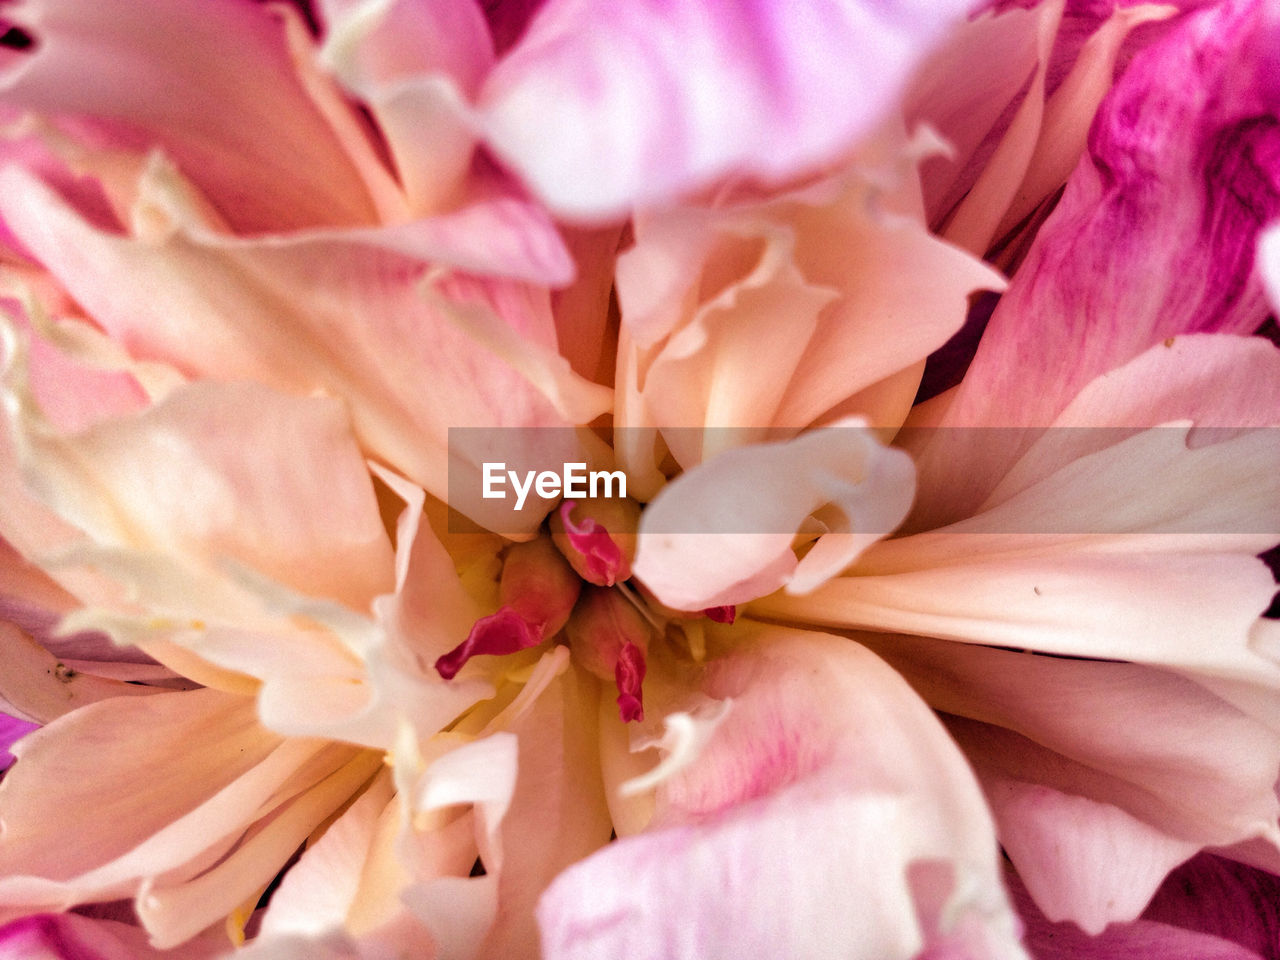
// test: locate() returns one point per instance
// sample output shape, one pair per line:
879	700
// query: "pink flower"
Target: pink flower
279	281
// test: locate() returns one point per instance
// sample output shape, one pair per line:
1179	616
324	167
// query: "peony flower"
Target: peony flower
894	648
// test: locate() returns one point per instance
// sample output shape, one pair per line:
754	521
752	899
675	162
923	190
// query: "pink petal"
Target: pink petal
1213	895
36	684
605	108
721	533
1139	592
12	729
224	772
813	806
1269	264
1074	566
739	317
318	891
129	74
1085	861
419	356
68	936
1102	776
1196	168
1141	940
415	66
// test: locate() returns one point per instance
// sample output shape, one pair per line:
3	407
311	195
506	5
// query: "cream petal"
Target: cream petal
721	533
278	310
224	470
224	773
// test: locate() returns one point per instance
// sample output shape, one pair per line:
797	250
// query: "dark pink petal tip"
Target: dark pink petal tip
629	675
497	634
11	731
725	614
606	563
43	935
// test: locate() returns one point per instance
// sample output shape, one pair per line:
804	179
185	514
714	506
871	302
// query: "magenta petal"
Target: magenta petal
1140	940
11	731
497	634
1156	233
69	936
1224	898
605	106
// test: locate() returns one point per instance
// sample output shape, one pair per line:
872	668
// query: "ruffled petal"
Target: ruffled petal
744	317
422	351
1074	563
224	471
873	808
235	798
1086	762
604	108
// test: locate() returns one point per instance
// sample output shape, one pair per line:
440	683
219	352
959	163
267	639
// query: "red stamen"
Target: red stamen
497	634
606	563
628	675
722	614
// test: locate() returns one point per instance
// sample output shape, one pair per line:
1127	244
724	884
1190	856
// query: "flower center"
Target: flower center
576	580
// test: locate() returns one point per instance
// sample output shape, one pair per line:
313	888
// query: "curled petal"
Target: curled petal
721	534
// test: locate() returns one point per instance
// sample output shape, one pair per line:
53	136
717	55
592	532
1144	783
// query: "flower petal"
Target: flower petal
128	73
482	352
601	109
224	471
12	729
1089	761
874	809
415	66
744	317
1202	166
68	936
1213	895
227	774
721	533
1140	940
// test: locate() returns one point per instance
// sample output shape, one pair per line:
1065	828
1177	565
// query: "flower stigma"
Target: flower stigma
576	576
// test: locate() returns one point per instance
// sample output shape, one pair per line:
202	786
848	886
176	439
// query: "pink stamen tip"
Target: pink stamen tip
722	614
606	563
629	675
497	634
